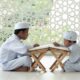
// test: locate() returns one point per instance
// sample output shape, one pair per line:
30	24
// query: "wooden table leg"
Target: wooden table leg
55	55
58	61
37	62
55	62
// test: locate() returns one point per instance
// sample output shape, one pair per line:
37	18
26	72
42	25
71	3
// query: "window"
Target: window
49	19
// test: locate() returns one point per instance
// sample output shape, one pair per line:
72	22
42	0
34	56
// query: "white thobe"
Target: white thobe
14	54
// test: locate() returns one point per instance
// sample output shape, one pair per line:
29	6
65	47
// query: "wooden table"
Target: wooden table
59	58
38	53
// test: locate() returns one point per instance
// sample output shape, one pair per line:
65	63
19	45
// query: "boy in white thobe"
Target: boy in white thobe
73	63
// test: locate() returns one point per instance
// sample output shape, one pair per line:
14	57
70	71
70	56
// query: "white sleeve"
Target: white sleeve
19	48
29	46
75	54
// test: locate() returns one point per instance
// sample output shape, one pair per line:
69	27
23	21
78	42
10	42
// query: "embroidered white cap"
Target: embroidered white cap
21	25
70	35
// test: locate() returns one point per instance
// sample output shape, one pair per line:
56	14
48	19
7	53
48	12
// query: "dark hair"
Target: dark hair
18	30
72	41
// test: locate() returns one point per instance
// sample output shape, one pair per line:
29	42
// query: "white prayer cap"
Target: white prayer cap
21	25
70	35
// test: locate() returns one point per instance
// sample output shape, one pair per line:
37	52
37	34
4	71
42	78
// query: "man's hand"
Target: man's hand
36	45
56	44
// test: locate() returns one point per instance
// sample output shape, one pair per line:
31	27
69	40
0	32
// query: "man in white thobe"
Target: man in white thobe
13	53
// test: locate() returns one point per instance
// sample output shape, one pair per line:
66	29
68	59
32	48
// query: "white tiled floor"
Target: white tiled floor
38	76
47	61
